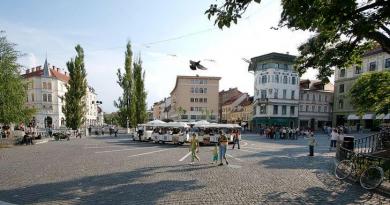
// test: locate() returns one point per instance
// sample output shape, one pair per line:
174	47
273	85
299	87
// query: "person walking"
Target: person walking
311	142
194	148
236	139
334	137
215	154
223	143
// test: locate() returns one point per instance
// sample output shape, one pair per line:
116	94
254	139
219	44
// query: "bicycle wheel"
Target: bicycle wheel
372	177
344	169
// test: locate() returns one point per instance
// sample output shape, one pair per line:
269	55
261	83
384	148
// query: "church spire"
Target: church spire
46	71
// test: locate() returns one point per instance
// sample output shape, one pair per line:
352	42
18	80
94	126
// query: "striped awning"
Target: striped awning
380	116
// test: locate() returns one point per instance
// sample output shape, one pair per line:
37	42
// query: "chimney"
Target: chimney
27	71
66	73
32	69
287	53
54	67
58	69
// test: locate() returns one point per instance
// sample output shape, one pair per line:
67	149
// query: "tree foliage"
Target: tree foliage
344	30
132	103
139	93
125	103
371	92
13	95
75	107
111	118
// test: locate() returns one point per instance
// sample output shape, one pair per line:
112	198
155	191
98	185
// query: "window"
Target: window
319	97
387	63
263	109
192	90
341	104
264	79
292	110
32	97
196	99
313	108
44	97
200	90
284	109
275	109
314	97
293	80
293	94
205	100
196	90
193	117
307	96
276	94
49	85
301	96
204	90
44	85
277	78
342	73
307	108
284	94
319	108
191	108
301	108
49	97
285	79
372	66
326	98
325	109
341	88
201	100
192	100
263	94
358	69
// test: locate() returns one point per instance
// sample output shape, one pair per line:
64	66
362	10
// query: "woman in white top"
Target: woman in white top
334	137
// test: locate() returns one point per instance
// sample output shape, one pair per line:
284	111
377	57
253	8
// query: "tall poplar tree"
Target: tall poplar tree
139	93
125	103
13	93
75	107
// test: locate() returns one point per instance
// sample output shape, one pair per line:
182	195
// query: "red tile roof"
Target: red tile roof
54	73
232	99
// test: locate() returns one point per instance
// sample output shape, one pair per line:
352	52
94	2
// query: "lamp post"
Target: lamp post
127	125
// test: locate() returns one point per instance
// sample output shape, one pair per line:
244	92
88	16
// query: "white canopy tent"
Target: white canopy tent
353	117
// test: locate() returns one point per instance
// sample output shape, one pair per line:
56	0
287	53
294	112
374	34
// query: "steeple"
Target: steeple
46	71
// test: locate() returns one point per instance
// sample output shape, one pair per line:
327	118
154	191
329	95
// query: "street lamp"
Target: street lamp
127	125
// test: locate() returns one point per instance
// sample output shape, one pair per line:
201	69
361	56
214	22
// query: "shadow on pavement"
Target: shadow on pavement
116	188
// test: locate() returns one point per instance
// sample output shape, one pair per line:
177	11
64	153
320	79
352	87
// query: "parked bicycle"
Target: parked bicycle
369	178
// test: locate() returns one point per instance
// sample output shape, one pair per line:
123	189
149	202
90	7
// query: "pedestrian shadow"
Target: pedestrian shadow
116	188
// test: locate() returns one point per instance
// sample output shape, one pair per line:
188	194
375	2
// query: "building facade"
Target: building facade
46	88
195	98
229	106
242	114
315	104
343	111
276	94
224	96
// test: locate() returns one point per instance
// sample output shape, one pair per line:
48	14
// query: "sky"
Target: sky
166	34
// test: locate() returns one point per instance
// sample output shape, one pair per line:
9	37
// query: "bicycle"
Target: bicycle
370	178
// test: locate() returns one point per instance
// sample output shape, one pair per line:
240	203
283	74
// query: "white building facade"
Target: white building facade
46	88
276	91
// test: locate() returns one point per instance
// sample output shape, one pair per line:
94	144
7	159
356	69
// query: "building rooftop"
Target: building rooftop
271	56
193	77
233	99
38	72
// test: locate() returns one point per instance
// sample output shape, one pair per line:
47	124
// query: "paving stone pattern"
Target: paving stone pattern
108	170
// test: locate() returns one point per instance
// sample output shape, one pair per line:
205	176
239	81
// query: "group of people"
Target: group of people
219	151
275	132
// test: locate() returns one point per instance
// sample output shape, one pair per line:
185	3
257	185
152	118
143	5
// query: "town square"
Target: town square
187	102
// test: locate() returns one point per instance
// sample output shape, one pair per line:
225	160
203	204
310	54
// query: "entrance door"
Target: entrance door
48	122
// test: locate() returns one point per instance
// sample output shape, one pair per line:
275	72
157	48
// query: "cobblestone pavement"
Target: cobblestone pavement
108	170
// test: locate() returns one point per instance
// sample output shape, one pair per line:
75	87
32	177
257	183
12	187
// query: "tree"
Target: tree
13	95
180	112
125	103
344	30
75	106
371	92
111	118
139	93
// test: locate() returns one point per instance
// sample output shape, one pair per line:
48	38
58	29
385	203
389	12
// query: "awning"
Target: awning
380	117
353	117
368	117
387	117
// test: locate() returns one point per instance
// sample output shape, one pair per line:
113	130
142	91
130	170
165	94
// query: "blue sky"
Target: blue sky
103	27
